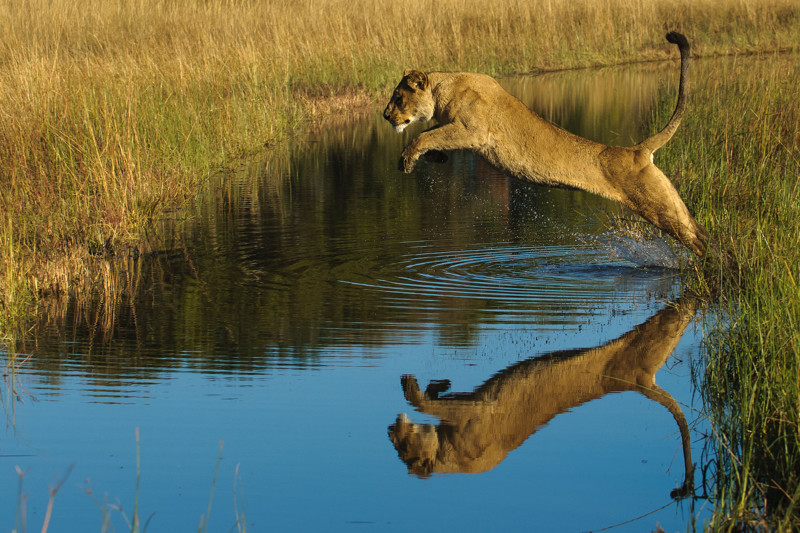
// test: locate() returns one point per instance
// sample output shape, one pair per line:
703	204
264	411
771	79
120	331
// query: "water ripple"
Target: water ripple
512	273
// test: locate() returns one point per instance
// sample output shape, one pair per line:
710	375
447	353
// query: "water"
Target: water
285	316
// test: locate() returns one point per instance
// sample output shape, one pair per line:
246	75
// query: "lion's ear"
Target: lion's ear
416	79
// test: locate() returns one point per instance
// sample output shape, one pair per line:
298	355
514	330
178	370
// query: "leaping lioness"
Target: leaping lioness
474	113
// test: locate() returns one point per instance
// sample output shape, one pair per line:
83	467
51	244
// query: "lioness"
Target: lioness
478	429
473	112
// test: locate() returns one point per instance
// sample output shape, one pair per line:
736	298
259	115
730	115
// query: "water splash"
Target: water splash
638	244
650	252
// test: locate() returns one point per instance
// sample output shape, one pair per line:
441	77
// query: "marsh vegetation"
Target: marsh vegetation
113	115
740	165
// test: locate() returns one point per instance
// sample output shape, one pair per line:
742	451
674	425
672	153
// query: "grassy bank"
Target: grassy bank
112	115
737	161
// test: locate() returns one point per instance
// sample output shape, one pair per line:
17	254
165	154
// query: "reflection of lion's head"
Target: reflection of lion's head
416	444
465	440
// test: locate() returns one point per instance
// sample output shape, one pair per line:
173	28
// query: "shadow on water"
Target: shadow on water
281	312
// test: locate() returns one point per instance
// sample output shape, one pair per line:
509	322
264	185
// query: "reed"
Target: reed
737	160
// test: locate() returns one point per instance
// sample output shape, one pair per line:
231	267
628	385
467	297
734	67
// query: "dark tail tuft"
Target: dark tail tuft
678	38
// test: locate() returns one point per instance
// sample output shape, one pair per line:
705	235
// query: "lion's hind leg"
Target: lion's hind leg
653	196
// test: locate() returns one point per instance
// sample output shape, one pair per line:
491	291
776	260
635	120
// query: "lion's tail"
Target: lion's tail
660	139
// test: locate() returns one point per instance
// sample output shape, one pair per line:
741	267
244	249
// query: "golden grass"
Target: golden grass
738	162
112	113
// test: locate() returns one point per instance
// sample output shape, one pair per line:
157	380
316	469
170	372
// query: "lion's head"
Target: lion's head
416	444
411	101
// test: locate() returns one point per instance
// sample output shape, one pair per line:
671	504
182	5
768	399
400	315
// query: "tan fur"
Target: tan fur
474	113
478	429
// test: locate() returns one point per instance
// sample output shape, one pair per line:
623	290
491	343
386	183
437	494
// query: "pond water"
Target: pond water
446	350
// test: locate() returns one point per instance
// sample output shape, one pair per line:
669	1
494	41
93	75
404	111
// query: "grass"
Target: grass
133	523
21	518
112	114
738	162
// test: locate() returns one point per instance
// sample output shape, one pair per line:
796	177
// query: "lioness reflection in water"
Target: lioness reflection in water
478	429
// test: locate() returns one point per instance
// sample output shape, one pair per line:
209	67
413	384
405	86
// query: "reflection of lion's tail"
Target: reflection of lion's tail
658	140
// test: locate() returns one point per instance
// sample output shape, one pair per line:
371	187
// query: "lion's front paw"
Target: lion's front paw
411	389
437	387
405	165
407	161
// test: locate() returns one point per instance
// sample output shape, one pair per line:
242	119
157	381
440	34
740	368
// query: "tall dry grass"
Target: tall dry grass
111	113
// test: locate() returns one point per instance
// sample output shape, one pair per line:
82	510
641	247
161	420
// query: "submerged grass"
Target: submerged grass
112	114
